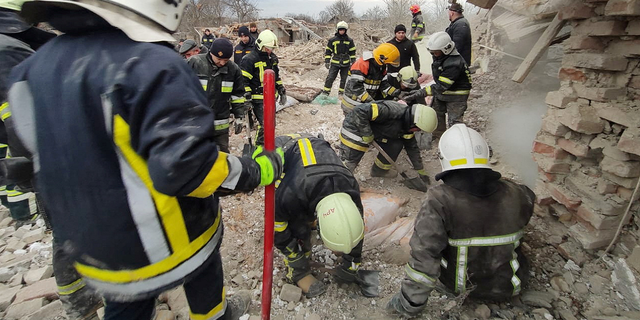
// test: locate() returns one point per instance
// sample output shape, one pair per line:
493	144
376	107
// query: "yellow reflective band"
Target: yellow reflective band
260	65
480	160
146	272
221	126
293	135
457	92
408	136
445	80
306	152
167	206
488	241
458	162
280	226
219	171
247	74
364	97
419	277
382	165
227	89
240	100
71	288
4	106
214	312
247	89
374	111
257	96
428	89
279	82
5	115
2	145
353	145
238	51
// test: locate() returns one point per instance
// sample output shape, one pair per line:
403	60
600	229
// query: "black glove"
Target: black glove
271	164
238	125
327	65
283	95
416	94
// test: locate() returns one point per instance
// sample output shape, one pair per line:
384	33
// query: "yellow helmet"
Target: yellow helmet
387	53
267	39
340	222
342	25
15	5
424	117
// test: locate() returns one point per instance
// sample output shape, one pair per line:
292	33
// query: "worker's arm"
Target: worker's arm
237	93
355	82
352	51
276	70
387	89
360	120
248	73
328	52
419	24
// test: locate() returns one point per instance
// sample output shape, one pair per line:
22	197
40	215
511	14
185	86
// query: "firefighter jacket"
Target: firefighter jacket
207	40
452	80
340	51
253	66
417	25
224	87
468	234
312	171
365	83
243	49
13	52
384	120
460	33
131	196
408	53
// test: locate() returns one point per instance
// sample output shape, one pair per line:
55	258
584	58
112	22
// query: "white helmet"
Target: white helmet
441	41
268	39
424	117
340	222
463	148
408	77
342	25
140	20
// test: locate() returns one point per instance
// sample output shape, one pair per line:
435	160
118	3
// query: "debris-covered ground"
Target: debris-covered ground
566	281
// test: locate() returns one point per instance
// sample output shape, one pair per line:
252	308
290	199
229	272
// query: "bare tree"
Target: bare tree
436	16
375	14
244	10
341	10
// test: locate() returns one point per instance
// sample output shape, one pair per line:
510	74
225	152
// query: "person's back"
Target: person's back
460	31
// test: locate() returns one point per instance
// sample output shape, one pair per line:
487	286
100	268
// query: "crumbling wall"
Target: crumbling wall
588	151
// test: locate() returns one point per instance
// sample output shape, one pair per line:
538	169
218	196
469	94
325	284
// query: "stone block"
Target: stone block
634	258
33	276
633	29
597	220
615	153
625	169
628	183
591	239
622	8
599	61
5	222
33	236
552	125
596	27
16	280
7	296
626	194
548	164
606	187
575	12
560	211
543	197
21	231
19	310
290	293
46	288
623	47
14	244
52	311
576	148
571	74
618	113
581	118
6	274
564	196
558	99
630	141
599	94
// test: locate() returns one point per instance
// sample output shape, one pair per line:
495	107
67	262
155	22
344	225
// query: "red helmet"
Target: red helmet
414	8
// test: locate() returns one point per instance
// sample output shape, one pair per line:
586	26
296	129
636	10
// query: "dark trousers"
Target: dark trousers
221	138
333	73
258	111
454	111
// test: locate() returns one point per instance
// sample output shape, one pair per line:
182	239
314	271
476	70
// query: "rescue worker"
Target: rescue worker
245	46
366	81
316	187
253	30
253	66
452	82
468	231
460	31
392	125
339	55
189	49
18	40
406	80
408	50
207	39
222	80
417	23
139	168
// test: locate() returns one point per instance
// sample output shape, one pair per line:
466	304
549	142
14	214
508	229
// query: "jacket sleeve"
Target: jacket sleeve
248	73
352	51
328	52
415	56
428	241
355	82
276	69
171	128
419	24
360	119
447	78
387	89
237	95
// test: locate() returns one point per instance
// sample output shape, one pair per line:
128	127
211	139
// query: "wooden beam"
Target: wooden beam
538	49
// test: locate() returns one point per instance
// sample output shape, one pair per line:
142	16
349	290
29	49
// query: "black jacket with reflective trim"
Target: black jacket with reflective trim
417	24
452	78
207	40
243	49
474	221
307	180
127	163
12	52
383	119
224	87
253	66
408	53
341	50
366	82
460	32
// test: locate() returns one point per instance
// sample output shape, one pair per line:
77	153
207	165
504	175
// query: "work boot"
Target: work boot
379	172
237	305
311	287
31	220
399	305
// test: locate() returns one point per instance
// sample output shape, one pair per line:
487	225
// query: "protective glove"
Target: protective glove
424	176
238	125
271	164
416	94
283	95
327	65
367	139
247	96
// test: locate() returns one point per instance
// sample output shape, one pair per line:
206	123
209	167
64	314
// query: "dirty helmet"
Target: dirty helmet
267	39
408	77
342	25
424	117
340	222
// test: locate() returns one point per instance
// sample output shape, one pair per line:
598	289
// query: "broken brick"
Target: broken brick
591	239
633	29
595	27
582	42
599	94
564	196
550	165
617	113
558	98
623	47
46	288
606	187
622	8
625	169
599	61
615	153
630	141
552	125
596	219
582	118
576	148
571	74
575	12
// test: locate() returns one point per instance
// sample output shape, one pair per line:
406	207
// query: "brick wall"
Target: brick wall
588	151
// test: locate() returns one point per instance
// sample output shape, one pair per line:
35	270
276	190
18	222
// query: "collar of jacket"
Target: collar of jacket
458	18
337	34
477	181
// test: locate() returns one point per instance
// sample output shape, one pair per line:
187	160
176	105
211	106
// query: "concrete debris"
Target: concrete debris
538	298
626	284
290	293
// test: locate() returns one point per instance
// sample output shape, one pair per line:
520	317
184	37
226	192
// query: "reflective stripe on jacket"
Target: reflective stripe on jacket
365	82
341	50
253	66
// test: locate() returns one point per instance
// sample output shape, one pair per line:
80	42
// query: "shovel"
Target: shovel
411	183
248	148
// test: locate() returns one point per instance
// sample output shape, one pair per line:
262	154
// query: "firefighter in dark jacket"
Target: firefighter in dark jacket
469	230
408	50
452	82
460	31
366	81
222	80
245	46
253	66
316	186
417	24
392	125
339	55
139	168
406	80
207	39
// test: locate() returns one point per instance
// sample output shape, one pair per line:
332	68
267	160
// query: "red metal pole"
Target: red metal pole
269	93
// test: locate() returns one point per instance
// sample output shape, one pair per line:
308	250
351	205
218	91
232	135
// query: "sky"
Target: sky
279	8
